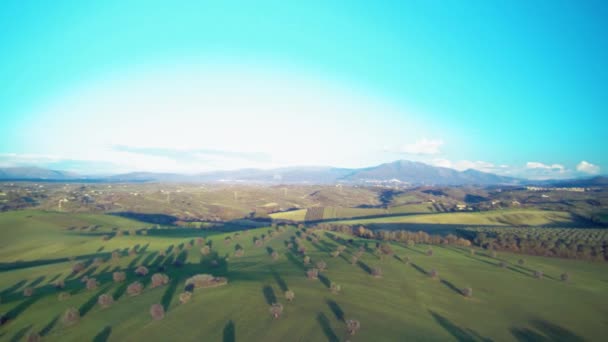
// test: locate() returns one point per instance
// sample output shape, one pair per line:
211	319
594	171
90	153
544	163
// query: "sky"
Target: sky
513	87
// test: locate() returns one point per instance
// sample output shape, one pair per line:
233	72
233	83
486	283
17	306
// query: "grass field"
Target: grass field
508	304
524	217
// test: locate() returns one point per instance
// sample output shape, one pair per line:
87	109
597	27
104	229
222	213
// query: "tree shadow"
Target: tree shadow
554	332
364	267
89	304
451	286
20	334
169	292
460	334
103	335
269	295
326	327
13	288
37	281
527	335
324	280
47	328
280	281
17	310
418	268
297	262
336	309
229	334
148	260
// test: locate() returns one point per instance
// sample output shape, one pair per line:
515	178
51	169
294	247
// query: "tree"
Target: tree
71	316
335	288
434	273
352	326
429	252
141	271
159	279
354	259
276	310
321	265
274	255
105	300
467	292
538	274
289	295
157	312
306	260
565	276
376	272
312	273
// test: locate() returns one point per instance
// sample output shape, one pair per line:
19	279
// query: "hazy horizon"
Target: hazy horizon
114	87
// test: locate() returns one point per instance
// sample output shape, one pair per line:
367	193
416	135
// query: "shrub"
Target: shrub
312	273
335	288
538	274
159	279
376	272
141	271
185	297
28	292
433	273
565	276
71	316
135	288
63	296
321	265
157	312
429	252
289	295
91	284
59	284
306	260
467	292
105	300
274	255
119	276
352	326
205	250
77	267
276	310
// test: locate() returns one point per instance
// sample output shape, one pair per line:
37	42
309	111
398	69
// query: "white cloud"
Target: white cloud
538	165
587	167
462	165
423	146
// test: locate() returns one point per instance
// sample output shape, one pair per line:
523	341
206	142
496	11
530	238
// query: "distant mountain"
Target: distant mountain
583	182
419	173
401	171
25	173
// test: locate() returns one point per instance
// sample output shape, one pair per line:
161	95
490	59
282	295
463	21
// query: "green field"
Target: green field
508	304
523	217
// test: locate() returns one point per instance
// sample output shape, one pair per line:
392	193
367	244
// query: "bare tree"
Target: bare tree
157	312
276	310
353	326
289	295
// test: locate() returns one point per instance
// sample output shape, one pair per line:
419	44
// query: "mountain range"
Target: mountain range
397	172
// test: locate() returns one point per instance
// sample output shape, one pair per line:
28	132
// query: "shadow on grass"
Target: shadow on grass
103	335
37	281
326	327
169	292
336	309
17	310
229	334
364	267
297	262
89	304
419	269
460	334
50	325
19	335
324	280
280	281
451	286
546	331
269	294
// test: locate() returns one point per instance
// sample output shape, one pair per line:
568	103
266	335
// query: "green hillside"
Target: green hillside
508	303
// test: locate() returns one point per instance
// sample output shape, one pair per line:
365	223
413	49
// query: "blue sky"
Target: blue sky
512	87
